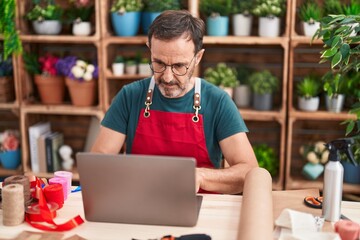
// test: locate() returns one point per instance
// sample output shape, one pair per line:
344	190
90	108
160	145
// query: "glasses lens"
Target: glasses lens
179	69
158	67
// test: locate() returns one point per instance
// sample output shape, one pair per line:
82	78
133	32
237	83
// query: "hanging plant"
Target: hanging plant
12	43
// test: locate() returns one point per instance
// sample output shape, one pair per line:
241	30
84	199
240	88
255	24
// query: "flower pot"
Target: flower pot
146	19
262	102
310	28
51	88
242	24
308	104
242	96
217	26
81	28
269	26
131	69
228	90
144	69
312	171
10	159
126	24
82	94
118	69
47	27
351	173
335	103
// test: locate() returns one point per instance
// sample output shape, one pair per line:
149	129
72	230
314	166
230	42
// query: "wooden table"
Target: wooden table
219	218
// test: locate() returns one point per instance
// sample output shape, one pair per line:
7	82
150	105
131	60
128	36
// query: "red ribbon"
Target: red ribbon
46	215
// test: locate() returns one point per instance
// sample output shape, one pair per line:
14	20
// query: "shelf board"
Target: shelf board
62	109
9	106
126	77
8	172
59	38
140	39
250	114
321	115
251	40
298	39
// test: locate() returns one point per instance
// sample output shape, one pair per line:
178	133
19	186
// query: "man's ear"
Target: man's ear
199	56
148	44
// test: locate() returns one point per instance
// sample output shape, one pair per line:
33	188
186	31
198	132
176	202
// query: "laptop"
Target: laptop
138	189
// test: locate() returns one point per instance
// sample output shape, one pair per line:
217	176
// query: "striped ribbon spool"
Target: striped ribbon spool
24	181
54	193
13	204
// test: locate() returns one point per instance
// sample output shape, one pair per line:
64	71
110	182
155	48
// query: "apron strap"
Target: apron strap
197	97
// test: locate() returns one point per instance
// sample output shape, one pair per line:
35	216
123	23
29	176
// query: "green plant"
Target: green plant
119	59
145	60
32	64
310	12
266	158
267	8
216	7
12	42
308	87
263	82
78	11
332	7
130	62
243	74
45	10
334	84
161	5
222	75
353	8
123	6
342	50
243	6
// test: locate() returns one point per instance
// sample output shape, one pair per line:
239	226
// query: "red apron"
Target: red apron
172	134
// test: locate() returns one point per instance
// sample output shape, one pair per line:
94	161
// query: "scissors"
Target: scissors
313	202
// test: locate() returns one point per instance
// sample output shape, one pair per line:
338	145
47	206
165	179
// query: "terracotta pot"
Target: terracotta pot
51	88
82	94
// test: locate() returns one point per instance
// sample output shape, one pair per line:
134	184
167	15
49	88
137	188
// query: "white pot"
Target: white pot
242	24
269	26
310	28
47	27
118	69
130	69
308	104
81	28
335	103
242	96
144	69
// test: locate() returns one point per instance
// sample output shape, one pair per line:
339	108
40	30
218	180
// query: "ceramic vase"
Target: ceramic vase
47	27
10	159
81	28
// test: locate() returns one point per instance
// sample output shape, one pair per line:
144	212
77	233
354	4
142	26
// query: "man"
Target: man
176	114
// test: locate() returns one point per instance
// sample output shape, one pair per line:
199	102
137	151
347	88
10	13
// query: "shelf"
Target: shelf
59	39
298	39
9	106
75	176
249	114
246	40
321	115
9	172
62	109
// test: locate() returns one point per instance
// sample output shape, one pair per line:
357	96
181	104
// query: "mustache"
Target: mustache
171	83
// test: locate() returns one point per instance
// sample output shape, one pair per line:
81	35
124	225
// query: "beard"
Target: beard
175	88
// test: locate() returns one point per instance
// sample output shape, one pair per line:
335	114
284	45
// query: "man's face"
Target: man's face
180	54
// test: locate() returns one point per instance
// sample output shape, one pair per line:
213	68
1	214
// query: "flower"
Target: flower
77	69
45	10
44	65
315	152
9	140
79	11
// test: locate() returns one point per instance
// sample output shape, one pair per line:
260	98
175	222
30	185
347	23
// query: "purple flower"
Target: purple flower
65	64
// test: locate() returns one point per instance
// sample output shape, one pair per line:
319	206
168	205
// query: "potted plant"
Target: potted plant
223	76
10	154
310	14
79	14
334	85
6	80
269	13
118	65
80	78
46	17
49	82
144	67
351	172
332	7
263	84
125	16
308	90
266	158
242	92
242	17
316	156
217	14
130	66
153	8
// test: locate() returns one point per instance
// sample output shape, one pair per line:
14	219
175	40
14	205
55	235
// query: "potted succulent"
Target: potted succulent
223	76
6	80
10	153
269	13
153	8
335	87
217	14
242	92
46	17
316	156
332	7
79	14
144	67
308	90
125	16
310	13
80	78
242	17
118	65
49	82
131	66
263	84
266	158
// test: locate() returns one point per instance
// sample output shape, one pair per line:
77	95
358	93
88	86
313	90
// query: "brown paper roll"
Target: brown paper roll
256	217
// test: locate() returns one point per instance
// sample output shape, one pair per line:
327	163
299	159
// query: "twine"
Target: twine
54	193
13	204
24	181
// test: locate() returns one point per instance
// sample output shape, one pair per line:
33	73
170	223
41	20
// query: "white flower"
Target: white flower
312	158
81	63
77	71
90	68
320	146
87	76
324	157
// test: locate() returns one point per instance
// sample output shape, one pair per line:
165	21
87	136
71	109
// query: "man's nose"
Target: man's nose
168	75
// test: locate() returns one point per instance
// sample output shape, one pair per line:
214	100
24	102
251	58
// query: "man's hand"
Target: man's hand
198	179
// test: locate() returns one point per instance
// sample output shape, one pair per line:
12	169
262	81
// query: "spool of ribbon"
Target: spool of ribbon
67	176
24	181
33	212
63	182
347	230
54	193
13	204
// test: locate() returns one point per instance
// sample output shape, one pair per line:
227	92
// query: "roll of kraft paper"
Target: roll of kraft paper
256	217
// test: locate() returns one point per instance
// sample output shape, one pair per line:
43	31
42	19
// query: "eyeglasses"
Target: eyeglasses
178	69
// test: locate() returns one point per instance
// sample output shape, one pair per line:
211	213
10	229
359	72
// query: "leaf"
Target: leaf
349	127
345	50
336	59
329	53
335	41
